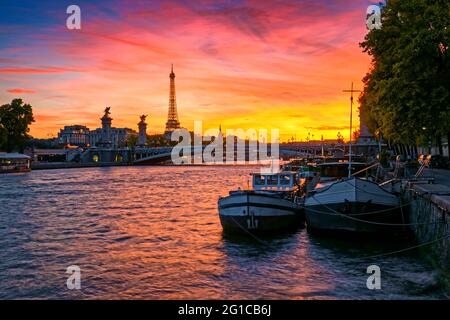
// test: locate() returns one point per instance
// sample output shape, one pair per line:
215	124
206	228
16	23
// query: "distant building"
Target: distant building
75	135
82	136
365	137
118	137
366	143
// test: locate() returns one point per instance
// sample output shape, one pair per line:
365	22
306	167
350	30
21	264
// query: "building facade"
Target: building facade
106	136
118	137
76	135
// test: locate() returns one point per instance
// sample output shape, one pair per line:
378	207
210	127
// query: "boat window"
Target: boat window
272	180
285	180
260	180
337	171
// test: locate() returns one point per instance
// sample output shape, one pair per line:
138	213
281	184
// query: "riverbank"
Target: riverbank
429	215
73	165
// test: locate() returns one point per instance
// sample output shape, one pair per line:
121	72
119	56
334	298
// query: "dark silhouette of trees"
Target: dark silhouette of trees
15	118
407	91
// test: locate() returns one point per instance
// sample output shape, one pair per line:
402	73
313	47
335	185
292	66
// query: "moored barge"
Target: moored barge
273	205
14	163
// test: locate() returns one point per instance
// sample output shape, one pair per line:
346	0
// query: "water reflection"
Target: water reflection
154	233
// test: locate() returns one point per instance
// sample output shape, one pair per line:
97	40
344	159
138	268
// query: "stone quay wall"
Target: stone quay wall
429	210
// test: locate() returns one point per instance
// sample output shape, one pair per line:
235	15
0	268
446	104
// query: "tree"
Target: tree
159	140
356	134
3	136
132	140
15	119
407	92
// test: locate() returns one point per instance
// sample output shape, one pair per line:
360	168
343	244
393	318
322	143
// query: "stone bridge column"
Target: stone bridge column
106	129
142	139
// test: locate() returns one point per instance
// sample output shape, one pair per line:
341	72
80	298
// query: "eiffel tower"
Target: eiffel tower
172	119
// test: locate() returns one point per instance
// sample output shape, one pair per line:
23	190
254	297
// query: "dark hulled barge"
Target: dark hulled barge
353	205
273	205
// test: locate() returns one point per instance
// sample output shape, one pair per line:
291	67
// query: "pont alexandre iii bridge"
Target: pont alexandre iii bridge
139	155
151	155
144	155
105	152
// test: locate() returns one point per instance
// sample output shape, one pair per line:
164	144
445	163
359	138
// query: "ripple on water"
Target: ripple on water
154	232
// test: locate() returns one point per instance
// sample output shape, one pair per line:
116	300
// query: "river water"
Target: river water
154	233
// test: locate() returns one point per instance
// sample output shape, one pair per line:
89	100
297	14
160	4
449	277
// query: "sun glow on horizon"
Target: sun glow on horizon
241	65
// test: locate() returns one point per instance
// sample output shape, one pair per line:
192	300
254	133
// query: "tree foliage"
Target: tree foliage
3	135
407	90
15	119
132	140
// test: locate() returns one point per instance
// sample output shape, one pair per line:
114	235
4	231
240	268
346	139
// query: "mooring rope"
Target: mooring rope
247	231
365	191
355	186
334	212
367	213
351	217
447	235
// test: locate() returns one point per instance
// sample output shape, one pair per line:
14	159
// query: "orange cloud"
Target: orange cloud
45	70
19	91
261	64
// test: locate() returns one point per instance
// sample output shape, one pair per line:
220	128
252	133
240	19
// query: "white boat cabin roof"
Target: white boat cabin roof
282	181
4	155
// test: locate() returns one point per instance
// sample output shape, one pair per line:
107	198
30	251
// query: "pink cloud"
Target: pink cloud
235	62
43	70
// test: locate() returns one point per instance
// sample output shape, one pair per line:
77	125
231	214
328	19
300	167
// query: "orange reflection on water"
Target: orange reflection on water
154	233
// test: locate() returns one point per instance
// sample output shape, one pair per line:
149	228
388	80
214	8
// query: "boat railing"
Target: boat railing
417	177
366	169
273	188
424	163
384	183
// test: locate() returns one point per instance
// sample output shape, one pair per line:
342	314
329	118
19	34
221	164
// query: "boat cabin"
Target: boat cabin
282	181
308	171
339	170
14	162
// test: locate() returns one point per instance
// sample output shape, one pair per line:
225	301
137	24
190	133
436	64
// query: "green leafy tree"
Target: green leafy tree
15	119
407	92
159	140
132	140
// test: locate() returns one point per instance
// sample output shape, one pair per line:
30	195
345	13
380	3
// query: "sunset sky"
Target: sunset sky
241	64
